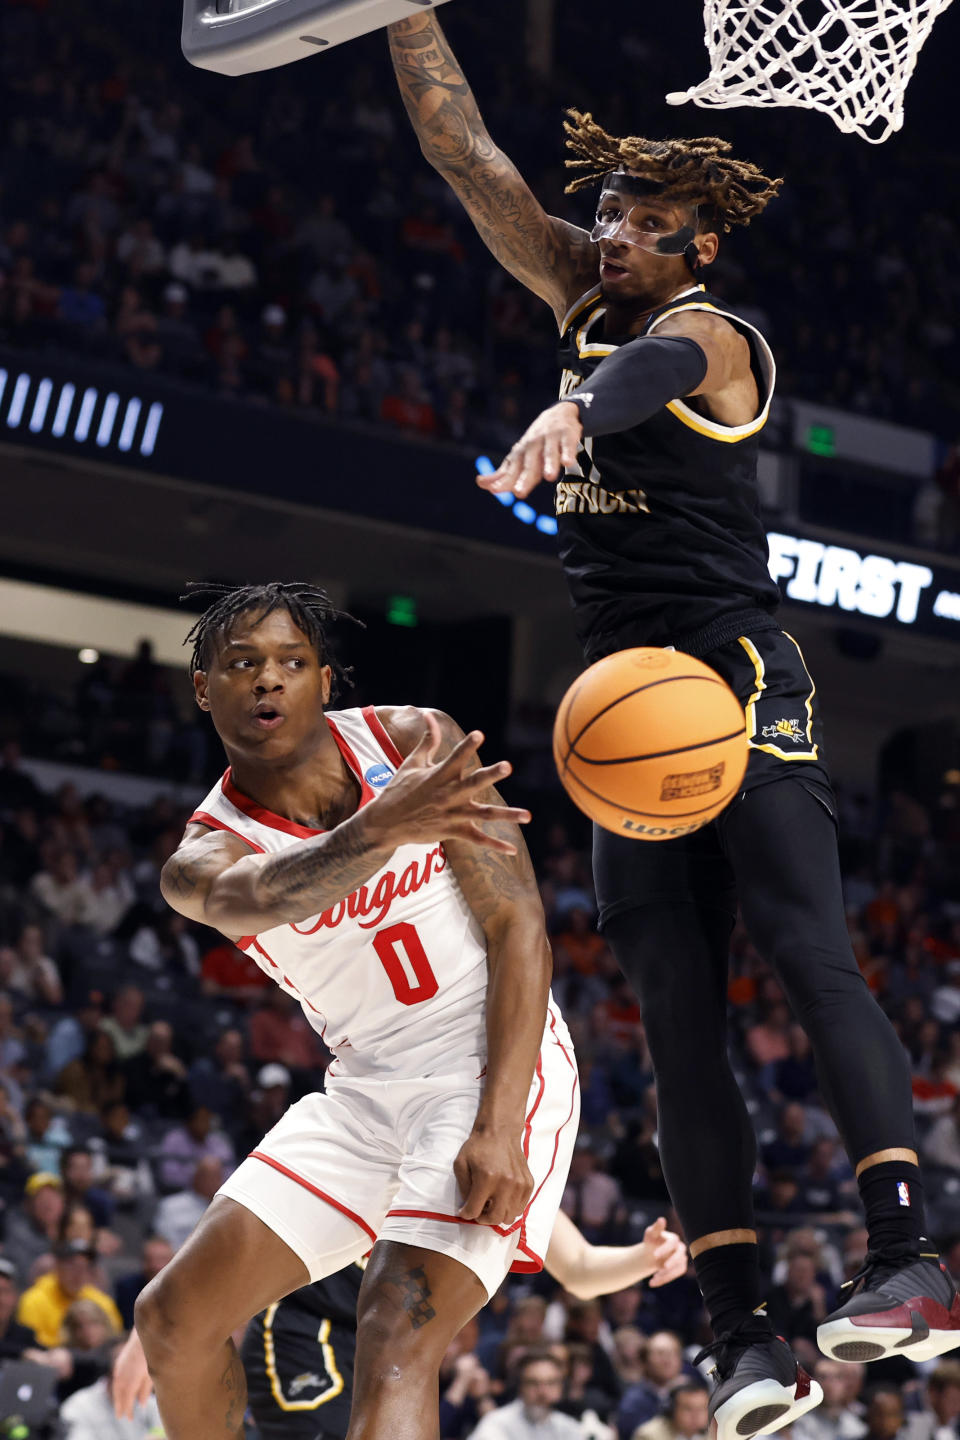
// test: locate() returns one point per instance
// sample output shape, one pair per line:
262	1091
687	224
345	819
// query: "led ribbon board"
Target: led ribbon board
86	414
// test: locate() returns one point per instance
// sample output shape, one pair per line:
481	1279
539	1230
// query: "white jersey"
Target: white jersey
394	977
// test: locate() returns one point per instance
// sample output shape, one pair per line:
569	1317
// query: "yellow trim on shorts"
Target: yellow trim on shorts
759	670
329	1361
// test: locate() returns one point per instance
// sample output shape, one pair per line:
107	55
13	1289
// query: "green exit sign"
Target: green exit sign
402	610
822	440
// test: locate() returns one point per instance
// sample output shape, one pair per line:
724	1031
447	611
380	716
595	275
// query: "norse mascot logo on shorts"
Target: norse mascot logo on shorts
785	730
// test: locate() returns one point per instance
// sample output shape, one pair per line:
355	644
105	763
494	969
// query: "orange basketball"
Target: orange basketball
650	743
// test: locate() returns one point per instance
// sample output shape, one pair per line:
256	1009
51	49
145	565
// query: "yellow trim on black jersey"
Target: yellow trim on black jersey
585	349
728	434
759	670
577	307
329	1361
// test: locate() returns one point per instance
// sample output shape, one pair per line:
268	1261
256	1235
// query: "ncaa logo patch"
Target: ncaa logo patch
378	775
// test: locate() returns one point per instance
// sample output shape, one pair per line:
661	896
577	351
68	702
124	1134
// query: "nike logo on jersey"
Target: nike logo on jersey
376	903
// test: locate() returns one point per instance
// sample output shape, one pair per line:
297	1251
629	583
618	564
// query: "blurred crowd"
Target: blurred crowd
141	1055
282	240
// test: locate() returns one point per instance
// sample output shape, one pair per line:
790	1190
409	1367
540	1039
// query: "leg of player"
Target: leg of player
412	1303
675	956
229	1269
781	842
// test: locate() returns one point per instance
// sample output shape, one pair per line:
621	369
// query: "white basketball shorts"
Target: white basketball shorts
373	1160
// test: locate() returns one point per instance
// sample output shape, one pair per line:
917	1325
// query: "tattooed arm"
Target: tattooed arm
501	890
555	260
215	878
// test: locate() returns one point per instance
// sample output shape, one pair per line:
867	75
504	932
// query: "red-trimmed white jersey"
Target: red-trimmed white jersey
394	977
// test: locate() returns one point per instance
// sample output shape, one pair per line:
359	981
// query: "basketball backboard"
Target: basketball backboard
237	37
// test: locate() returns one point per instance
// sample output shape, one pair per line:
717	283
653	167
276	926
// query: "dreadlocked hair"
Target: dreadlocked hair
308	606
698	170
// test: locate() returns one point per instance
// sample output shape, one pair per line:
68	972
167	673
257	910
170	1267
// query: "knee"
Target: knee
393	1344
171	1321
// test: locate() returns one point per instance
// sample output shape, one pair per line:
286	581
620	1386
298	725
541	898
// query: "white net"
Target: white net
851	59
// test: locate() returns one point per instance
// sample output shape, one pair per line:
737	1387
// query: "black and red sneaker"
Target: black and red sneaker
894	1307
759	1387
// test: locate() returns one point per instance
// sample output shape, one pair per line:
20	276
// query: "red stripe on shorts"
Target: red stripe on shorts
308	1185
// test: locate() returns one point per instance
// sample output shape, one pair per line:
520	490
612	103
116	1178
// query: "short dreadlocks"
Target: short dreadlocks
698	170
308	606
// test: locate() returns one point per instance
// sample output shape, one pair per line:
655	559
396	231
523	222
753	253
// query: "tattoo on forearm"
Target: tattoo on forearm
415	1297
454	139
319	873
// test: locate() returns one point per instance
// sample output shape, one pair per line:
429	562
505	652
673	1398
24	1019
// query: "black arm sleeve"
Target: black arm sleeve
630	385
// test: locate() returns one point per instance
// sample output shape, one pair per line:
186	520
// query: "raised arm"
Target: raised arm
214	877
555	260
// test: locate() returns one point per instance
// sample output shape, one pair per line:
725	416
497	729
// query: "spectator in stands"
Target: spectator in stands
279	1031
45	1304
940	1417
89	1337
221	1082
185	1145
18	789
157	1078
70	1035
63	894
15	1338
231	972
534	1413
26	969
838	1418
111	896
884	1413
46	1135
32	1226
790	1149
79	1186
125	1024
407	405
12	1048
178	1214
586	1328
154	1254
799	1304
466	1390
664	1372
941	1145
94	1080
684	1418
88	1414
591	1198
820	1192
78	1224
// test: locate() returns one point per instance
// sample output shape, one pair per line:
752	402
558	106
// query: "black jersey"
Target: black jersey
659	526
299	1358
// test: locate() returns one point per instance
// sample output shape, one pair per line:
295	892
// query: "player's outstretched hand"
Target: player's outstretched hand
130	1382
543	452
667	1253
430	799
493	1176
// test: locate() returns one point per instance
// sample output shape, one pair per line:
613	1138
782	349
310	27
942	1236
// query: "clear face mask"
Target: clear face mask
620	219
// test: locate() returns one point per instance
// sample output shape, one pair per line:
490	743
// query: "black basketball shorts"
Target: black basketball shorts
768	674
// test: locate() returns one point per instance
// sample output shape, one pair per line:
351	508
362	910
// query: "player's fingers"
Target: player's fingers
530	472
476	1201
551	456
144	1391
497	813
651	1235
486	776
461	753
568	450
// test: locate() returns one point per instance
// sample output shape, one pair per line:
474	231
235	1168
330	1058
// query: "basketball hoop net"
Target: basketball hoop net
851	59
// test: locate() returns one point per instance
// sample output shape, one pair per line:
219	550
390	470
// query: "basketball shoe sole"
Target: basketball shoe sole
766	1390
912	1310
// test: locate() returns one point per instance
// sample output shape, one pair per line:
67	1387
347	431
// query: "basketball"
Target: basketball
650	743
